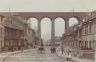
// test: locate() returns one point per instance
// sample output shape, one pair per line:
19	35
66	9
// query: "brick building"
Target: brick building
88	36
71	39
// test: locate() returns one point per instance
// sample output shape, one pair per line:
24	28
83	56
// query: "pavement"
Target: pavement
32	55
4	55
77	59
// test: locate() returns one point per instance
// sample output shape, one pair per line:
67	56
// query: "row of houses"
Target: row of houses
81	38
14	34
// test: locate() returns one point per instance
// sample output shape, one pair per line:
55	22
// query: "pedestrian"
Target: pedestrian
54	50
69	55
51	50
62	50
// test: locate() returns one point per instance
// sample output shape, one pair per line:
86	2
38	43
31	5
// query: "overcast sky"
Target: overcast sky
48	6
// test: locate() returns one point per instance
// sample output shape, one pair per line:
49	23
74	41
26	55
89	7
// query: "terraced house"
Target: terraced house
13	33
81	38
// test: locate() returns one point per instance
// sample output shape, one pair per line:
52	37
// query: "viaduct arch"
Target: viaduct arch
52	16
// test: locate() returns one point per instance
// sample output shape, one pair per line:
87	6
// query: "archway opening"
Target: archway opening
73	21
32	31
33	23
59	27
83	20
46	30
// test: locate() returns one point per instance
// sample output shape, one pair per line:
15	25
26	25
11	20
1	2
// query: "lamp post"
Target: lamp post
95	51
62	47
62	44
79	26
21	43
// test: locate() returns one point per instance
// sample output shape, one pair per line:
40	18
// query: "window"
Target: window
90	44
85	44
84	30
0	20
79	44
87	28
1	32
1	43
90	28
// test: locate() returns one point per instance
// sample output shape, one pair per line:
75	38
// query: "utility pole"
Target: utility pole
9	12
9	9
73	10
10	42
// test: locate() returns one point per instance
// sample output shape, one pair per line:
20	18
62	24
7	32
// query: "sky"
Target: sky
48	6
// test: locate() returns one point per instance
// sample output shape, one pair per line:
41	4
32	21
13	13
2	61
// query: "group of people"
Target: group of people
53	50
67	52
41	50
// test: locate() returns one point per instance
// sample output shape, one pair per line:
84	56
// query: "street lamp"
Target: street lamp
62	43
21	44
95	50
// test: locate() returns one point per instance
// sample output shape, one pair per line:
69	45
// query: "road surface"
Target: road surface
32	55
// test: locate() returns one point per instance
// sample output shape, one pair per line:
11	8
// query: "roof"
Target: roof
72	29
90	16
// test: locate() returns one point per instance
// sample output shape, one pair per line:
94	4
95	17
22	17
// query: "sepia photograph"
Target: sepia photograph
47	30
